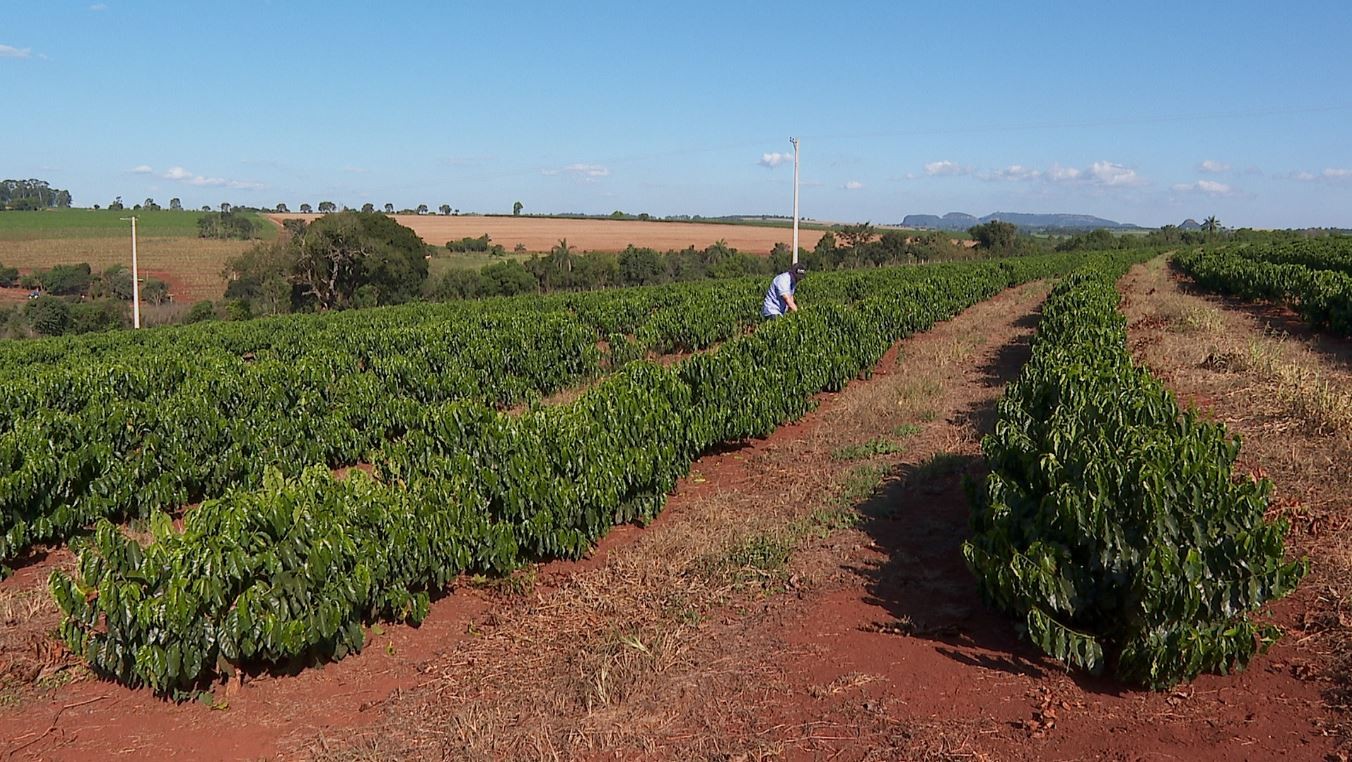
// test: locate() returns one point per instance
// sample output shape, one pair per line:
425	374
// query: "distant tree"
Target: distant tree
1211	225
150	204
854	236
826	245
8	276
116	205
326	207
200	312
226	225
445	209
343	252
639	267
206	208
422	209
175	204
995	237
281	209
617	214
519	248
48	315
104	315
1100	239
508	278
225	208
389	208
516	209
114	283
306	208
295	227
238	310
368	207
154	291
462	284
31	195
67	280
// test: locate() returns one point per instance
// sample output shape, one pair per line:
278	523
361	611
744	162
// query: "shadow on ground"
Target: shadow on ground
920	517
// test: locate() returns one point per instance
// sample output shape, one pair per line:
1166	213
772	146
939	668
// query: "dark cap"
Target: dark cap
798	269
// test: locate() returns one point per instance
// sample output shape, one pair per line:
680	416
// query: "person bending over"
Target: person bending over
779	299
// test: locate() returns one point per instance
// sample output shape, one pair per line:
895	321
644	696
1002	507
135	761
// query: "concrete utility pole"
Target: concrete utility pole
795	199
135	279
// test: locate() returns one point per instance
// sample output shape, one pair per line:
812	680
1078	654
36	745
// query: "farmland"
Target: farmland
168	247
539	234
264	502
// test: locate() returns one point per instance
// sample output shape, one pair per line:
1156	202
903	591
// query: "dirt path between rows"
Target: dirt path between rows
800	597
868	642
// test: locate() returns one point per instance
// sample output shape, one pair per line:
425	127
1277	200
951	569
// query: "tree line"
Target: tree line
32	194
74	299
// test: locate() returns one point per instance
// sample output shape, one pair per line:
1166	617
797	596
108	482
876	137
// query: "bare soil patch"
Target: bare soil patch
540	234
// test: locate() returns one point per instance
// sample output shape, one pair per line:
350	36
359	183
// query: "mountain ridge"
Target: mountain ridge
1057	220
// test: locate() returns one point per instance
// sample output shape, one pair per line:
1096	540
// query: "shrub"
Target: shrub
200	312
48	315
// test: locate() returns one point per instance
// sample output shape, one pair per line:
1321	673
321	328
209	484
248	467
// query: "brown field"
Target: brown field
191	266
539	234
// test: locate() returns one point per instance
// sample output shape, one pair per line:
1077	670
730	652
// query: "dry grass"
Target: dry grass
20	606
541	234
191	266
1270	366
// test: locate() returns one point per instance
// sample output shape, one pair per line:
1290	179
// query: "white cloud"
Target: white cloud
96	7
589	171
1060	174
585	172
1114	175
773	160
9	51
142	169
1331	174
946	168
179	174
1213	167
1014	172
853	185
1208	187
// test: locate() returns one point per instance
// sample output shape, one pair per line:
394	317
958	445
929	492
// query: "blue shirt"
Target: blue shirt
775	303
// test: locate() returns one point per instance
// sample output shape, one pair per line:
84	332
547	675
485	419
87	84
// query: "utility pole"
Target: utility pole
795	199
135	279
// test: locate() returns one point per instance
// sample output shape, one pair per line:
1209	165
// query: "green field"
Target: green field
106	223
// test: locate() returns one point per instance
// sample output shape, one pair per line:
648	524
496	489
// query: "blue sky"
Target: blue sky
1142	112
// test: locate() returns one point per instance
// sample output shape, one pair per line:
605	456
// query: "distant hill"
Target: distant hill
961	221
1189	224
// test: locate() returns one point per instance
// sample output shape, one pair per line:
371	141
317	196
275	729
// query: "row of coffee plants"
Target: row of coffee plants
1322	295
291	571
129	424
1326	253
1111	525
